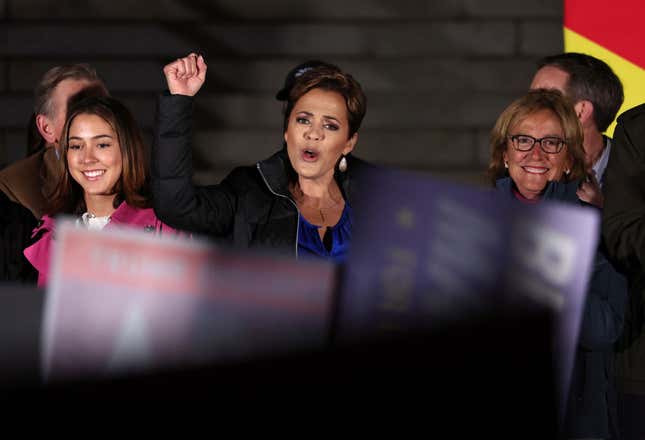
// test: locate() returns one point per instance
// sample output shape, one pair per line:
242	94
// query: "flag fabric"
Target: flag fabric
612	32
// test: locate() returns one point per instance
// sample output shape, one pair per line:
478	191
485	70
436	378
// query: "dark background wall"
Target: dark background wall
436	73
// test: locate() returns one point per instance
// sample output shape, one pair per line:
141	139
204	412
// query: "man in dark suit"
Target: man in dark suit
624	236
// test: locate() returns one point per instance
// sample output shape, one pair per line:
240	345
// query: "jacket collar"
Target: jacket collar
126	214
275	171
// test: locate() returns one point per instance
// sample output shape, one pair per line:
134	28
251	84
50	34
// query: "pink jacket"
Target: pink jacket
38	254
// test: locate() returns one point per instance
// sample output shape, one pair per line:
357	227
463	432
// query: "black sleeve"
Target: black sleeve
176	201
16	224
624	210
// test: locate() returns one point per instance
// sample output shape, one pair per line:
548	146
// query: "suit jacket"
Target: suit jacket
624	237
29	181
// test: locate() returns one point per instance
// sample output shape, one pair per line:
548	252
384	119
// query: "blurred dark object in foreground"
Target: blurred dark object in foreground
491	375
631	408
16	224
21	309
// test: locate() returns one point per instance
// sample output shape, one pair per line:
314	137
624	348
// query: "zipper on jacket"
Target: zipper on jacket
257	165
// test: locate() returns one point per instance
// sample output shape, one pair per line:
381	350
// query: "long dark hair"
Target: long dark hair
132	185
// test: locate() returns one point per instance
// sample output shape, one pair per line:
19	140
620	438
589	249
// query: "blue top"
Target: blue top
310	244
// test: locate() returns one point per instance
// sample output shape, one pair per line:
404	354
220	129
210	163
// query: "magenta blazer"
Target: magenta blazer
38	254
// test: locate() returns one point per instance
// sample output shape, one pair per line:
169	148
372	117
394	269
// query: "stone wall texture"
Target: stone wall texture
436	73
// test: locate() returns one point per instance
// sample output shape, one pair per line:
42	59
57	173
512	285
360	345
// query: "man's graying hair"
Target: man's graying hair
54	76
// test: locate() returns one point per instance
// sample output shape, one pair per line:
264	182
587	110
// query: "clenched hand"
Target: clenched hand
185	76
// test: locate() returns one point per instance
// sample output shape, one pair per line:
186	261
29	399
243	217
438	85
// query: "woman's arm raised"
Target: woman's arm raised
177	202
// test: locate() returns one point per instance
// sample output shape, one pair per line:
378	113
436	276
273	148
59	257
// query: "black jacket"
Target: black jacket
250	208
624	236
592	408
16	225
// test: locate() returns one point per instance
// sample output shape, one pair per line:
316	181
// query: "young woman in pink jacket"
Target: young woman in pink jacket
105	179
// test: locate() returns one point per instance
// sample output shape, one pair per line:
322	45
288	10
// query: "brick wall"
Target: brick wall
436	73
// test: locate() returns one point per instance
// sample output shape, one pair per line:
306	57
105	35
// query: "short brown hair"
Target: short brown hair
592	80
330	77
535	101
132	184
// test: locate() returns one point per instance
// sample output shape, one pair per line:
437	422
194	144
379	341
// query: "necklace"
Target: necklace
320	210
322	215
300	199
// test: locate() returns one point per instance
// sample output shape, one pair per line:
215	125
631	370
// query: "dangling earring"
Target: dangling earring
567	171
505	164
342	165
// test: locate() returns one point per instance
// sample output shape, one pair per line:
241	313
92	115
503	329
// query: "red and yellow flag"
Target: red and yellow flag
614	33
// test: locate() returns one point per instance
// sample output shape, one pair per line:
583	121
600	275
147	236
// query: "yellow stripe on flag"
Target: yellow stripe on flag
631	75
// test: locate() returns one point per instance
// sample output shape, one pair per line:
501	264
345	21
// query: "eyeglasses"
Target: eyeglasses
548	144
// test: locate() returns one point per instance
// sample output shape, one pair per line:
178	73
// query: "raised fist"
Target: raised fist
186	76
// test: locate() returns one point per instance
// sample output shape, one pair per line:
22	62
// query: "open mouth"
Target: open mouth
309	154
535	170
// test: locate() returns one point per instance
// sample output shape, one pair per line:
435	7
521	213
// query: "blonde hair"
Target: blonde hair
531	103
